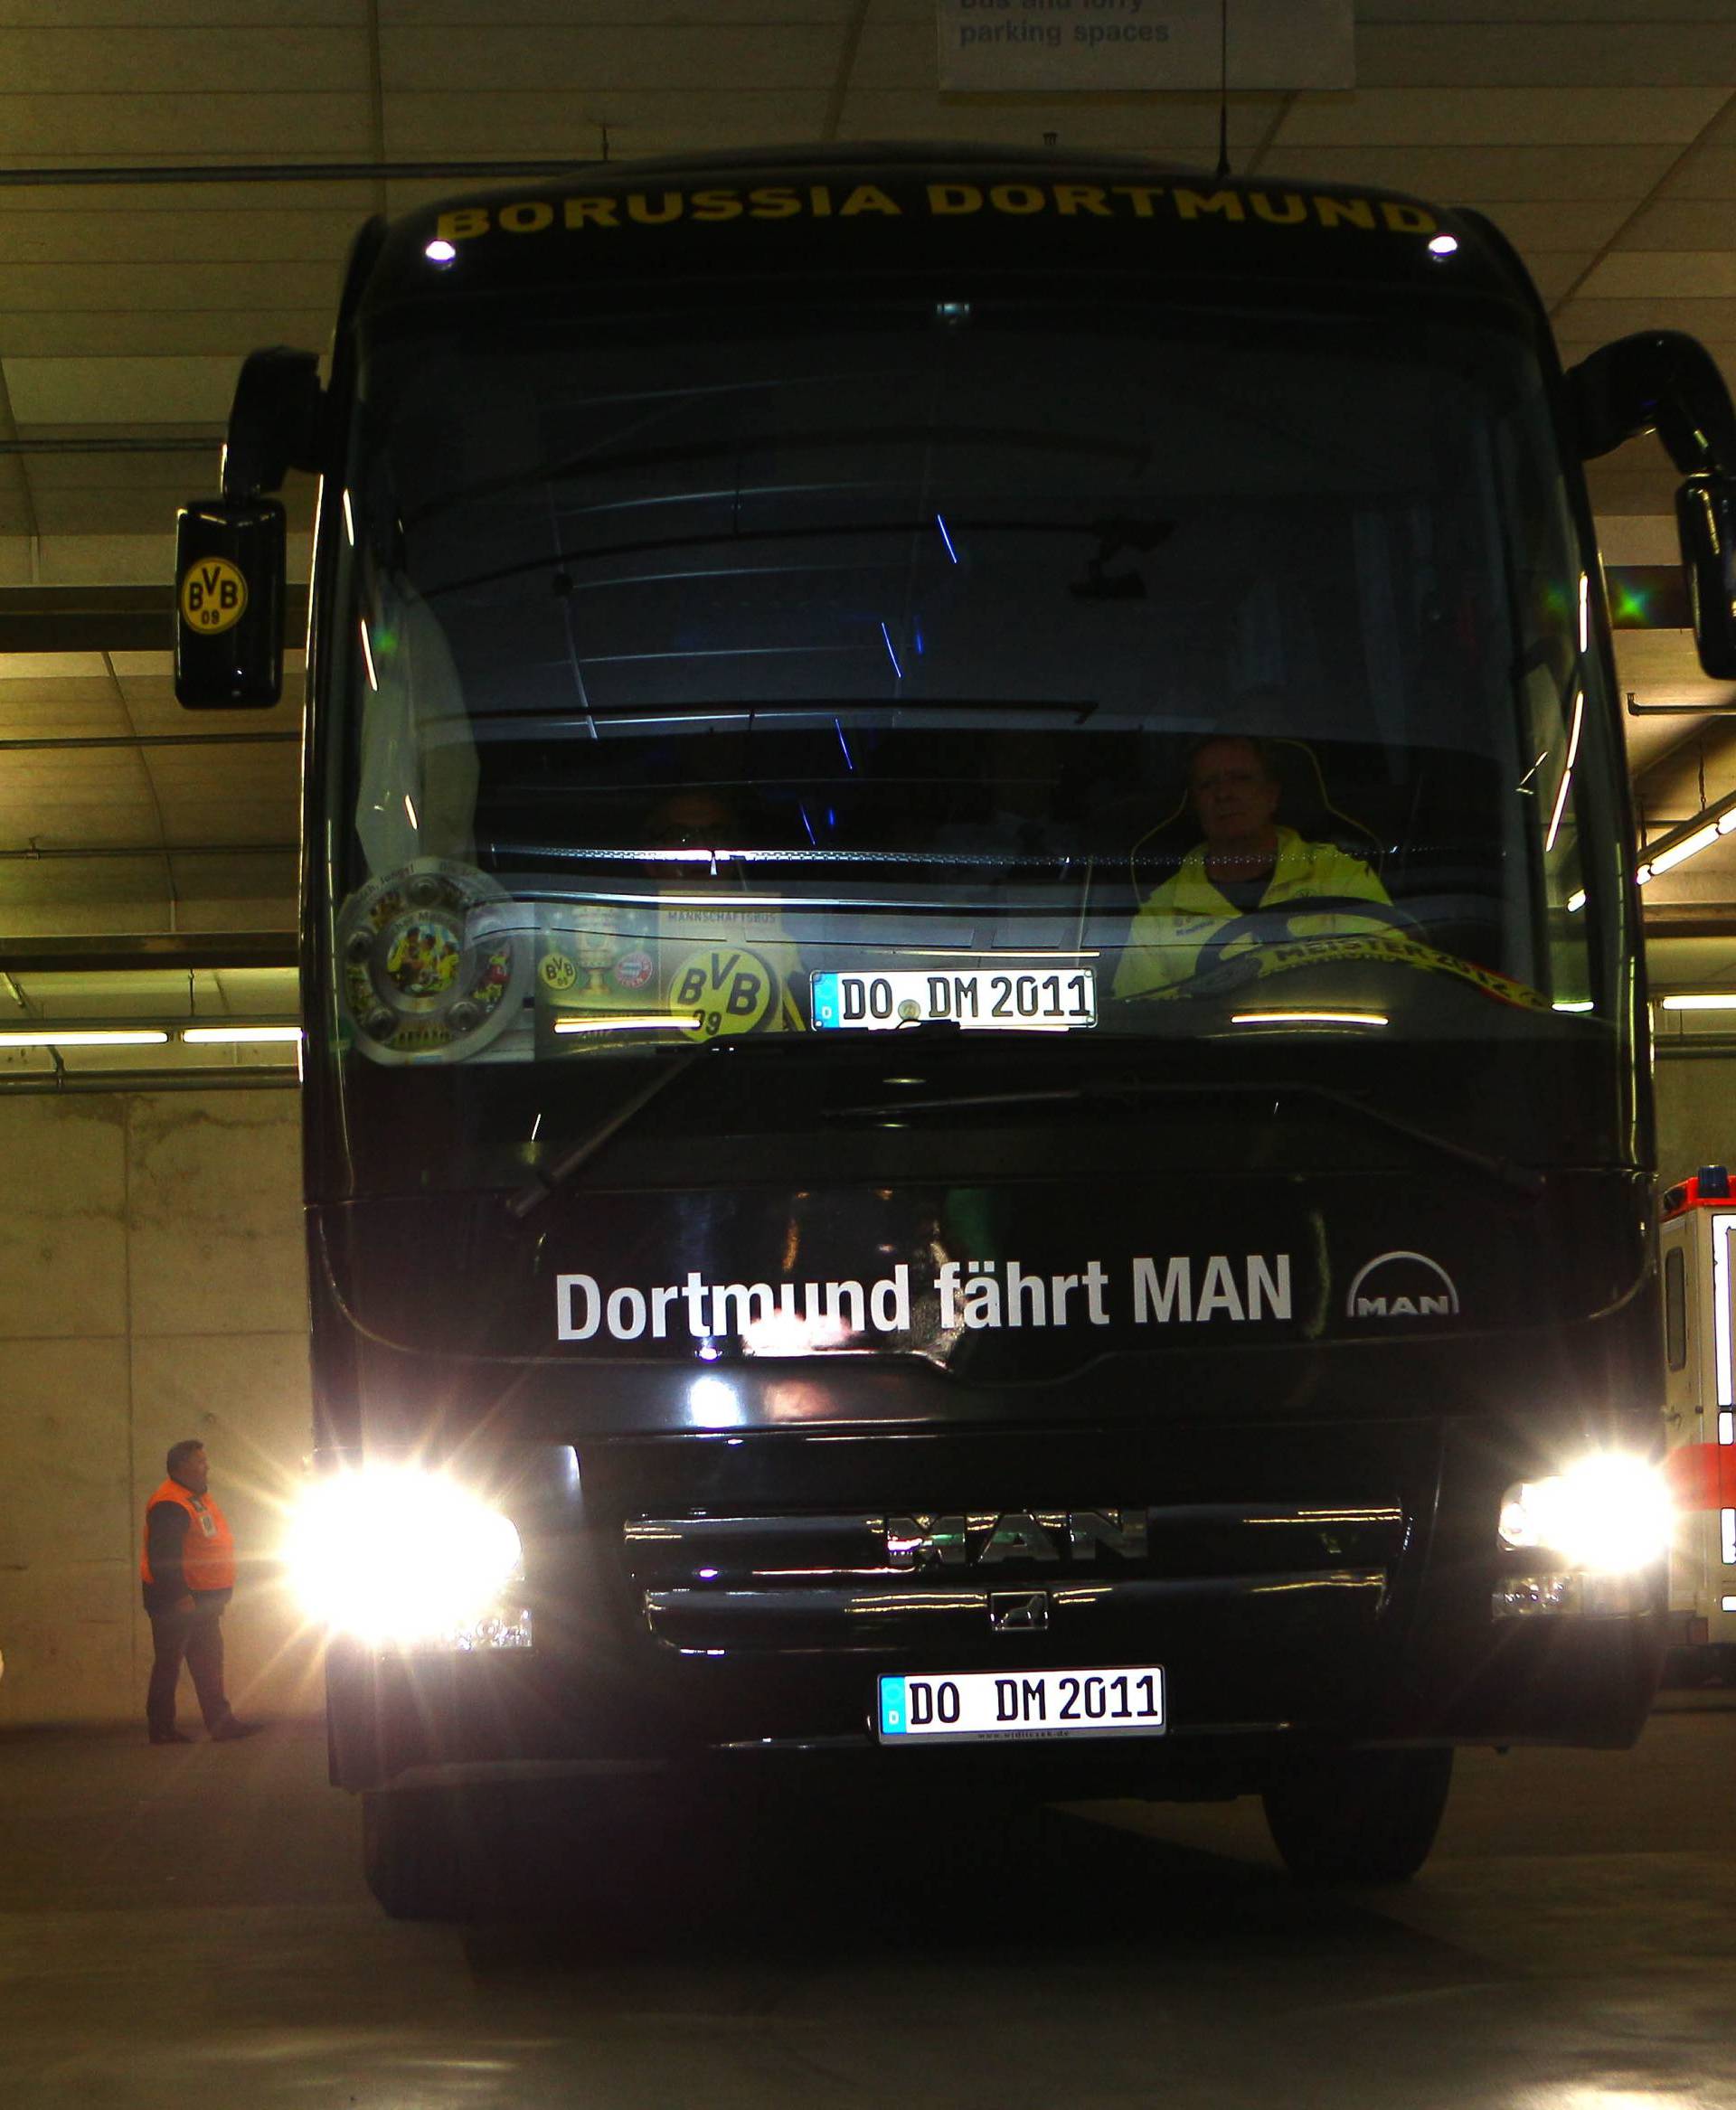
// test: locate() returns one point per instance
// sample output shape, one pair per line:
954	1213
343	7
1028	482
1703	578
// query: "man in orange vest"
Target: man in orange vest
188	1570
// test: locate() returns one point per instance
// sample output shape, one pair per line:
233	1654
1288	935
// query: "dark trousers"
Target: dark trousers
198	1637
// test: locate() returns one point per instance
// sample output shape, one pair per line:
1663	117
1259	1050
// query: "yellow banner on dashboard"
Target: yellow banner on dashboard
1391	948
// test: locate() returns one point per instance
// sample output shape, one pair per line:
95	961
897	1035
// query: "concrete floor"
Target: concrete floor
183	1926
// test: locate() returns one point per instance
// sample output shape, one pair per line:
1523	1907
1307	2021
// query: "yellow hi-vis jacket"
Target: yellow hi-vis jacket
1186	912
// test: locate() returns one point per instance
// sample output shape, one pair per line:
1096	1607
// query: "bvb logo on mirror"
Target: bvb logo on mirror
214	595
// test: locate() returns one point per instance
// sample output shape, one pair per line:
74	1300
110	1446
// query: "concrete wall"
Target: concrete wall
1696	1112
151	1287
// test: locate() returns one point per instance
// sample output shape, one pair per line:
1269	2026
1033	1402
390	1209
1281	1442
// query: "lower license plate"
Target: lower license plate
970	1707
986	998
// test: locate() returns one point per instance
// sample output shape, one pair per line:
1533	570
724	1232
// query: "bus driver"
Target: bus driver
1247	861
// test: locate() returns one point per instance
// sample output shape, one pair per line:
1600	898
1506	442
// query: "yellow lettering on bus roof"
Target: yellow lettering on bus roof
868	198
1023	198
530	218
1190	205
1083	198
1335	211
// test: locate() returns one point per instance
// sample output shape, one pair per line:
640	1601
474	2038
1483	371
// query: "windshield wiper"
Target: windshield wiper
1520	1179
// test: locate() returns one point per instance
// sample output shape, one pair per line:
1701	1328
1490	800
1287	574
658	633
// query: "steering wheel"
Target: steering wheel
1259	924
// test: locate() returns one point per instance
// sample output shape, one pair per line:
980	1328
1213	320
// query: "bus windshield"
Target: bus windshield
1124	681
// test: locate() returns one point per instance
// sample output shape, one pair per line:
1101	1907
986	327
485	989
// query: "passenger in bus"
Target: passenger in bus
1247	861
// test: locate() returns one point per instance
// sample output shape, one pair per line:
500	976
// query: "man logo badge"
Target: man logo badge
1018	1611
1402	1286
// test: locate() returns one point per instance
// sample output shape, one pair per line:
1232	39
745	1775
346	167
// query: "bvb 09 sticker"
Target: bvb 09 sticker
415	985
214	595
721	989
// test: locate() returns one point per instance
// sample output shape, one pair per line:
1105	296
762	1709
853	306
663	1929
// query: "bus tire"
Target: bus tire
1358	1817
422	1855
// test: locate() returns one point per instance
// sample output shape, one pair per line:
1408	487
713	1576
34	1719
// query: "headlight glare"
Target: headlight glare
1605	1514
396	1555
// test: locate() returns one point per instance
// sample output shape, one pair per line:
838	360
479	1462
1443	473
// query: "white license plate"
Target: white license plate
973	1706
1055	1000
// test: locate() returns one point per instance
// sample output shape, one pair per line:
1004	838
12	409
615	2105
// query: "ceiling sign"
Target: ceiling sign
1050	46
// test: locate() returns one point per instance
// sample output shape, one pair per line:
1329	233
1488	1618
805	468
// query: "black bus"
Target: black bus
839	1226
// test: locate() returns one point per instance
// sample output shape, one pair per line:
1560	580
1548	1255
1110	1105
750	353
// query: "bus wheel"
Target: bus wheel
421	1853
1358	1817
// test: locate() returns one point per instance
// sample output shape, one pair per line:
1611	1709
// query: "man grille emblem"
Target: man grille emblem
1018	1611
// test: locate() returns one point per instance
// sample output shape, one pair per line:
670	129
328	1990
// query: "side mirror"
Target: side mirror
229	552
274	421
1663	382
1705	519
228	571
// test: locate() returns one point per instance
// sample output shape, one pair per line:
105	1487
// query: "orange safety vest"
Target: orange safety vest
208	1554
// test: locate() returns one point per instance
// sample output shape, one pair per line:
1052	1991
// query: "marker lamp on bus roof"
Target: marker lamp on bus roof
400	1557
1605	1514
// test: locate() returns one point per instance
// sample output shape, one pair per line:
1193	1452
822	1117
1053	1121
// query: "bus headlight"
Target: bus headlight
1606	1515
399	1557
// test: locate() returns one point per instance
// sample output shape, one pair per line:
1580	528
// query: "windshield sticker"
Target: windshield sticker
418	983
717	205
965	1297
692	971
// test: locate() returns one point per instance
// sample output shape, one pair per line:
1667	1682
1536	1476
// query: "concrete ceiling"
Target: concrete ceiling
1600	134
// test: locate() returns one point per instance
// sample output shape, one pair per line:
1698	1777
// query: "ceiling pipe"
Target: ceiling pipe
31	854
277	1076
162	951
295	172
178	446
77	741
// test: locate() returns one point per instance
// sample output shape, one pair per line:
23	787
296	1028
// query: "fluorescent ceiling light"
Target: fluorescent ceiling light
218	1035
85	1037
1663	860
1678	844
1711	1000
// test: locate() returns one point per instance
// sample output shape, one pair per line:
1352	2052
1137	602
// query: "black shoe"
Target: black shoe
231	1731
169	1737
